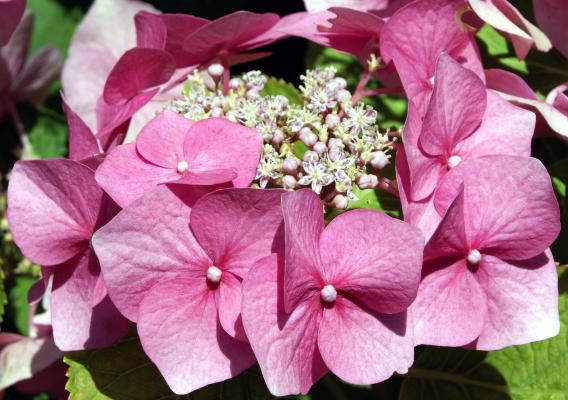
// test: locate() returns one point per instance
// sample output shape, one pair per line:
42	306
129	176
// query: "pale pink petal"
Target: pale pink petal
522	301
510	210
149	242
455	110
362	347
551	16
374	257
53	208
216	143
284	344
78	323
11	12
82	142
105	33
501	15
237	227
363	5
451	306
229	304
125	176
180	332
303	222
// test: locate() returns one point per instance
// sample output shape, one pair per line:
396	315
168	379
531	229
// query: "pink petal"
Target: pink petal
11	12
522	301
77	322
510	210
551	16
209	177
216	143
147	243
51	380
501	15
151	31
137	70
229	304
53	208
237	227
402	42
455	110
38	74
362	347
375	258
161	140
125	176
284	344
363	5
180	332
105	33
425	172
82	142
507	82
451	307
303	221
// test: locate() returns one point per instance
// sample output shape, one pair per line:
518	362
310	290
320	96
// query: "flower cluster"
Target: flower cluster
342	144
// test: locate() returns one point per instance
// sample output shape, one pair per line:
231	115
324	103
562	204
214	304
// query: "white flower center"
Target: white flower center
454	161
328	294
182	166
474	257
214	274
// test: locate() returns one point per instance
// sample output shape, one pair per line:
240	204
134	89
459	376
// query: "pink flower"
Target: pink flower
361	5
551	16
11	12
416	35
171	148
22	79
462	121
488	278
174	261
54	208
339	302
501	15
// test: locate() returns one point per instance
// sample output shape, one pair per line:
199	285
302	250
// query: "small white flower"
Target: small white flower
316	175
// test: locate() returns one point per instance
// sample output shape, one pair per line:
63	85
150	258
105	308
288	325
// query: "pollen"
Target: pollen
454	161
474	257
214	274
328	294
182	166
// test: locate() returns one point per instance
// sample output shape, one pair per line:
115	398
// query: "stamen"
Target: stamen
182	166
474	257
328	294
214	274
454	161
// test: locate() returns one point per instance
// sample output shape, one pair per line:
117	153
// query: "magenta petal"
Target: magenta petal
229	303
551	16
125	176
53	208
82	142
151	31
38	74
362	347
11	12
216	143
303	221
161	140
451	306
180	332
510	210
455	110
284	344
237	227
77	323
522	301
425	172
15	51
208	177
149	242
137	70
375	258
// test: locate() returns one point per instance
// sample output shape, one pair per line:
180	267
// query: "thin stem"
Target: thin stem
226	73
376	92
358	94
18	124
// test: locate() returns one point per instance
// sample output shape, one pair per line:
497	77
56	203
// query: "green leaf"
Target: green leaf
275	87
49	135
499	50
530	372
124	372
18	307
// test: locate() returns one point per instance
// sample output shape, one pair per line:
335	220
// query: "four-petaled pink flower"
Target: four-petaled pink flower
488	278
174	261
339	302
54	207
172	148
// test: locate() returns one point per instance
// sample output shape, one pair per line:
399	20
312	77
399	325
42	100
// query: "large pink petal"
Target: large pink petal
363	5
149	242
303	222
374	257
180	332
78	323
217	143
161	140
425	172
53	208
451	306
522	301
551	16
362	347
229	304
237	227
416	35
510	210
82	142
455	110
209	177
125	176
285	344
11	12
151	31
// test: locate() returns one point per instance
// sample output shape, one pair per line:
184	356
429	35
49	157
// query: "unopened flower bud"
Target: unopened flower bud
236	83
310	156
289	182
290	165
308	137
335	155
216	112
253	94
332	120
340	82
320	148
379	160
296	125
366	181
340	202
216	71
231	115
343	96
277	137
335	144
